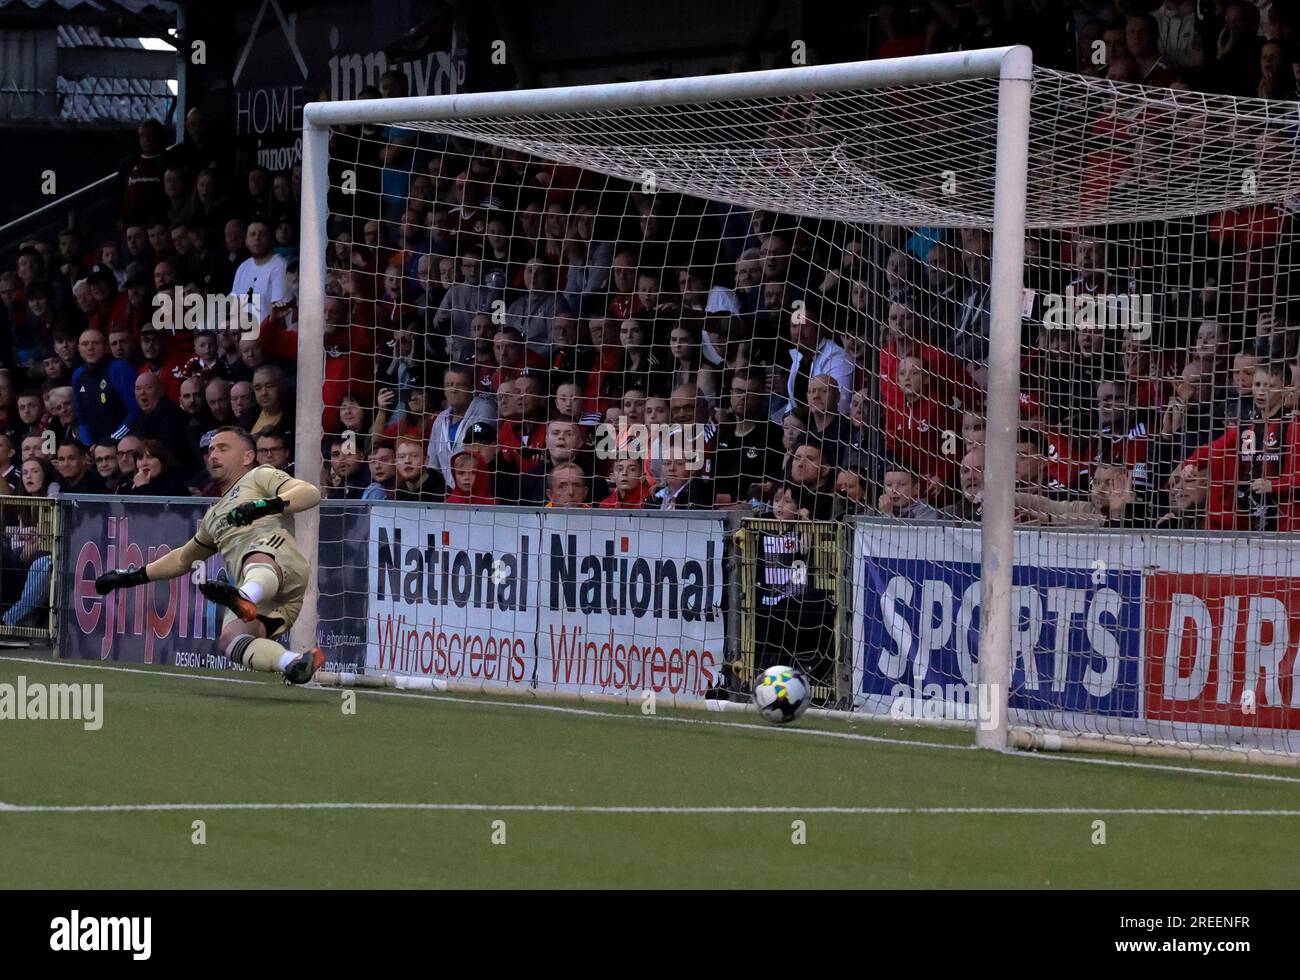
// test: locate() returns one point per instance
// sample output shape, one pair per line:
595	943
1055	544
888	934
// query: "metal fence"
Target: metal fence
793	602
30	555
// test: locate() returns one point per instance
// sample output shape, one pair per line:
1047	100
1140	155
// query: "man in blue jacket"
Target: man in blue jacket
104	391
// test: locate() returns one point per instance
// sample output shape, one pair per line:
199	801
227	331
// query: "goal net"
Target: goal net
651	386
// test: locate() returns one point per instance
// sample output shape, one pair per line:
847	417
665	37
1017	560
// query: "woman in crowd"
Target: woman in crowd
157	473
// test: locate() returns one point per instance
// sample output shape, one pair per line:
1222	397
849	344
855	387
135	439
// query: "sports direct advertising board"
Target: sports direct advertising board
1170	637
572	602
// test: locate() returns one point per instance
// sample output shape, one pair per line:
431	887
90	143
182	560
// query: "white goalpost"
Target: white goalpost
901	195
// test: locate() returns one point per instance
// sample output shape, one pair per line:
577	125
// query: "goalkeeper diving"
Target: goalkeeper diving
252	528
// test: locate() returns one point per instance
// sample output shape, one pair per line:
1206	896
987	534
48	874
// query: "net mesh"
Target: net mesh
1101	152
778	311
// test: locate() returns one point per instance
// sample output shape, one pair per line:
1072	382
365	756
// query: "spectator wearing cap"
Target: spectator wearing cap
812	353
451	426
414	480
162	419
76	475
143	198
104	390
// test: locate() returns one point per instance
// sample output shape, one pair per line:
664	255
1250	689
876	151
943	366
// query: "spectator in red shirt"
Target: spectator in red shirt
630	490
513	358
470	481
1254	468
521	406
914	428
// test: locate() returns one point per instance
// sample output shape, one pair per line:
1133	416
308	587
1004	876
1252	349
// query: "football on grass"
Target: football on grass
781	694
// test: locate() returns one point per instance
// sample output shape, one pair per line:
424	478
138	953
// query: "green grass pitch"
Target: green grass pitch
173	739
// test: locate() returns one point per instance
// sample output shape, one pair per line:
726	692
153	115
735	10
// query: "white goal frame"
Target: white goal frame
1012	66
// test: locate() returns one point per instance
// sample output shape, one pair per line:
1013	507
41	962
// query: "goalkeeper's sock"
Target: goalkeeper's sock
256	653
260	583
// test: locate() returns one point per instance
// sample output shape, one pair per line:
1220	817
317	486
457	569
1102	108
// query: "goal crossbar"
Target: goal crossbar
1011	67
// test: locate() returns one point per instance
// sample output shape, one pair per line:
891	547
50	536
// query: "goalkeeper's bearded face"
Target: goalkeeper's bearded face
229	457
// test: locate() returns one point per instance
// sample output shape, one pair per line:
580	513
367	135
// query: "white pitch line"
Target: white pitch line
687	810
533	706
672	719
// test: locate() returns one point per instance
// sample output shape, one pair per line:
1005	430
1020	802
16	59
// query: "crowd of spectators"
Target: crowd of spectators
501	330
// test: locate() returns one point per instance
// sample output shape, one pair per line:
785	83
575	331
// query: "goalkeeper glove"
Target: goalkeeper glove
119	579
247	513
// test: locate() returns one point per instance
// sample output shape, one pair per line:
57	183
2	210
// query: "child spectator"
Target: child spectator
630	490
902	496
1188	493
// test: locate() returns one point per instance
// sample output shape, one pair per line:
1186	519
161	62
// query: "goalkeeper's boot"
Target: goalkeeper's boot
304	668
225	594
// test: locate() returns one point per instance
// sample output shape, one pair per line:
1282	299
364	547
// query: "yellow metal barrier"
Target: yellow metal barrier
793	601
